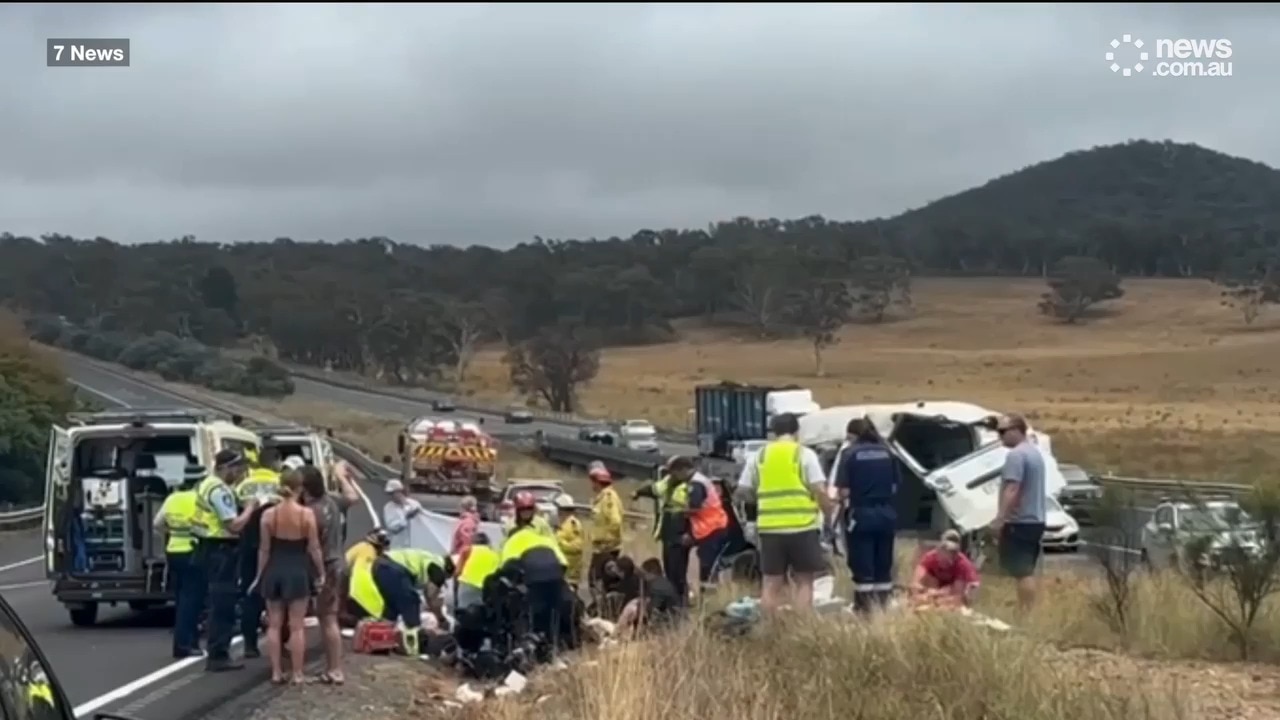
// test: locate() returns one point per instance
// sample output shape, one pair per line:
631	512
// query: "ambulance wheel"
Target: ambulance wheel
85	615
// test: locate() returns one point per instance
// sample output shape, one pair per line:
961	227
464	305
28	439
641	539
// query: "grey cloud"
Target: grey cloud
492	123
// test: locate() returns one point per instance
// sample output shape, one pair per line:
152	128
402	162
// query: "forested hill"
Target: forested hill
1143	208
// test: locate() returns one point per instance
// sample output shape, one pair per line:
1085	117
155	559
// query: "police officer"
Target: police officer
218	531
262	483
177	518
868	485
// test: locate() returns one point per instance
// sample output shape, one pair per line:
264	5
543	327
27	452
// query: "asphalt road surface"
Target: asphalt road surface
125	660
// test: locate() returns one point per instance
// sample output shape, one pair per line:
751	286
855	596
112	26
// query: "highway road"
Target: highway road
124	662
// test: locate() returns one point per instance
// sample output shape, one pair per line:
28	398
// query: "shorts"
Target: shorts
799	552
328	600
1019	548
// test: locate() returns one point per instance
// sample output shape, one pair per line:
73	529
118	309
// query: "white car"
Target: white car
639	435
1061	531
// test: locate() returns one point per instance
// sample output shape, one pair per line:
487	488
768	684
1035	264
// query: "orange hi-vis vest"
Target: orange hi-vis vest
711	517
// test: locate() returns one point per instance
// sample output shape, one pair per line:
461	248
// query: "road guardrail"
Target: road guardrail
1171	486
21	519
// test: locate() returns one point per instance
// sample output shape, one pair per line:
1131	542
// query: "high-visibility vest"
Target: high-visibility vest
364	590
207	524
676	504
481	563
180	510
710	517
784	502
261	483
525	539
541	524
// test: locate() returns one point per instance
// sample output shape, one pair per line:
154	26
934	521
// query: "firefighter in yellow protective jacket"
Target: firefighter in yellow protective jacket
606	522
571	539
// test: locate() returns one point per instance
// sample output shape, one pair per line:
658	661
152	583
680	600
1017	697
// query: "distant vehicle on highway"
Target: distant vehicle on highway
1061	531
639	435
1080	494
1174	526
443	405
517	415
599	433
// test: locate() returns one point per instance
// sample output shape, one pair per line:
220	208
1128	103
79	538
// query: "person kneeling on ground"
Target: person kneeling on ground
620	584
388	589
659	604
944	576
537	560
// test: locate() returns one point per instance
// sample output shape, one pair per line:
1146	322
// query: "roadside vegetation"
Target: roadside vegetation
33	395
169	356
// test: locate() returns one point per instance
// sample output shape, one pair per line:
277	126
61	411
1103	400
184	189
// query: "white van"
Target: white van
108	473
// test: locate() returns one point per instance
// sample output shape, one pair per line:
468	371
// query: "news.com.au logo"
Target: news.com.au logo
1173	57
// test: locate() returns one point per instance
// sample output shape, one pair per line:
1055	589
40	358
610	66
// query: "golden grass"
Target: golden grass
1166	356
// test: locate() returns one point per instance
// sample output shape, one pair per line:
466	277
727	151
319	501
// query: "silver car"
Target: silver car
1175	525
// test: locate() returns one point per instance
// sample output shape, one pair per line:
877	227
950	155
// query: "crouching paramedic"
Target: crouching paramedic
540	564
388	588
480	562
363	553
869	485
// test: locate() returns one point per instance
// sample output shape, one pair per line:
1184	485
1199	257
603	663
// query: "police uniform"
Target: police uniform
870	475
185	575
262	483
217	546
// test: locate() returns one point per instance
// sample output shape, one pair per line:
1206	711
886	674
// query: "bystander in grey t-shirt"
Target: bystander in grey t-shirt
330	511
1024	465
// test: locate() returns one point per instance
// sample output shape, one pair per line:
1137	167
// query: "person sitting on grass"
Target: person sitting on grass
945	577
659	604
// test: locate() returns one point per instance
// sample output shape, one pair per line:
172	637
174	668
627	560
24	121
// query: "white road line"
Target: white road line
178	666
99	393
21	563
20	586
125	691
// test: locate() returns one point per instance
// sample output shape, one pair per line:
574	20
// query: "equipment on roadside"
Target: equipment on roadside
375	636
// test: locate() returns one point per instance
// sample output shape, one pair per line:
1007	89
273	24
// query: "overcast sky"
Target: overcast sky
493	123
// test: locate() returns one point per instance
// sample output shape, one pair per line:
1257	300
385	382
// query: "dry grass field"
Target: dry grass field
1165	381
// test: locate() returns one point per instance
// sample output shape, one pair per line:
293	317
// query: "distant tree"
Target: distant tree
819	311
464	326
1250	283
879	282
553	364
1075	285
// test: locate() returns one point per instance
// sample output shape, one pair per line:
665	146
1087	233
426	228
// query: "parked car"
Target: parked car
443	405
517	415
603	434
1175	526
1080	495
1061	532
29	688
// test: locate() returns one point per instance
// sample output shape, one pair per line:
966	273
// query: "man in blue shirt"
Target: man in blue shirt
1019	523
868	485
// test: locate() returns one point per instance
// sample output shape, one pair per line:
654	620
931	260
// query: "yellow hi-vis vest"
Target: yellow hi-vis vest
364	590
784	502
677	504
180	510
261	483
207	523
525	539
481	563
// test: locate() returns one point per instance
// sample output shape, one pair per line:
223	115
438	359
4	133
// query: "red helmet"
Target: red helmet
600	475
526	501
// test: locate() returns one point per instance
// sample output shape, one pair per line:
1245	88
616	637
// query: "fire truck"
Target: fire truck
448	457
